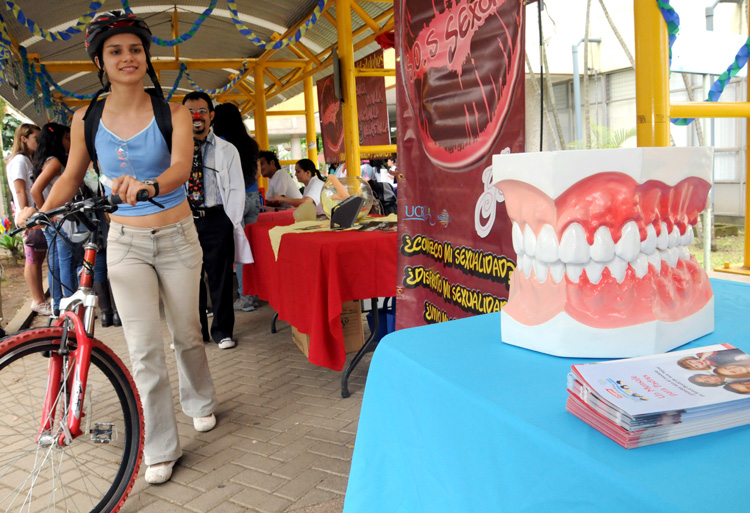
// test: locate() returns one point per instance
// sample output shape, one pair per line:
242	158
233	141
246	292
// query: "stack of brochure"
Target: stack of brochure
658	398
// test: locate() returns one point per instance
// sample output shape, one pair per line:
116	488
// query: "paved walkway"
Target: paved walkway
284	438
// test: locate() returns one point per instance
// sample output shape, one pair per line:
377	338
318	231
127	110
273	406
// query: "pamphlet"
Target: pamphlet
657	398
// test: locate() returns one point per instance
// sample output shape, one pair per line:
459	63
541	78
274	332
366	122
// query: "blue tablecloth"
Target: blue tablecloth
453	420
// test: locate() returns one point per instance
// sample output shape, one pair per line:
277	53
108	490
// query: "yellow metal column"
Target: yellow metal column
348	86
651	74
312	135
261	124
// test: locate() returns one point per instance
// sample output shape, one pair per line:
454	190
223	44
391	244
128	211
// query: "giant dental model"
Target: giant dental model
602	236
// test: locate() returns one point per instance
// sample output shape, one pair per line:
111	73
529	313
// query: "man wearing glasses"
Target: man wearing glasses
216	192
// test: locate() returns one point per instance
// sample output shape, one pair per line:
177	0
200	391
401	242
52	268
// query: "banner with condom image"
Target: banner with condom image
460	100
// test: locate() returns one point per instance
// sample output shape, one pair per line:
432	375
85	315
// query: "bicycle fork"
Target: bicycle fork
71	375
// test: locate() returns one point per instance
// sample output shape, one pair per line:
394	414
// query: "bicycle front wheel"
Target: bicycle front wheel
96	471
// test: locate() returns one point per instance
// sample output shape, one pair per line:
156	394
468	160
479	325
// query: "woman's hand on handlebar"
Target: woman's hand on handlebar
127	188
24	214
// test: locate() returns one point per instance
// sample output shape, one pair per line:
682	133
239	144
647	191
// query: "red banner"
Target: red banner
372	112
460	100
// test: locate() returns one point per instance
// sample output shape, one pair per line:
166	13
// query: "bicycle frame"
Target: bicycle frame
79	310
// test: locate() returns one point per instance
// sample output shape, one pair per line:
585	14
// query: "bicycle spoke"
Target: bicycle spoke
87	473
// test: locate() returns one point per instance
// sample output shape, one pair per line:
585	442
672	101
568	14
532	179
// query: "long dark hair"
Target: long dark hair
309	166
49	144
228	124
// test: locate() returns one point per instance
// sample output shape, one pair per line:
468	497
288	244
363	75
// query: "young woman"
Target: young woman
151	252
48	163
306	173
19	171
228	125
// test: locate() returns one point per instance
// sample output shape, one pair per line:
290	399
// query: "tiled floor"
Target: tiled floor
284	438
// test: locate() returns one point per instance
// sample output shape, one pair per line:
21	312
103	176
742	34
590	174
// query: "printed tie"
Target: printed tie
195	183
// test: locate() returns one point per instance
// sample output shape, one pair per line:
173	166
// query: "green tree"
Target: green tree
603	138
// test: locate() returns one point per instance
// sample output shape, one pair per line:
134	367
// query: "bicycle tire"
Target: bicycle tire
88	474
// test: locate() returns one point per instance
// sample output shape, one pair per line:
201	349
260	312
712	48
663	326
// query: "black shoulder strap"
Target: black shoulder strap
90	127
163	115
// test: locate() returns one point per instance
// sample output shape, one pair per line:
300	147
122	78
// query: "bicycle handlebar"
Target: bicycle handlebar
105	203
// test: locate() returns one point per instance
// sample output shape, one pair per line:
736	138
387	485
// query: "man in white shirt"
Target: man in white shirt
280	182
216	192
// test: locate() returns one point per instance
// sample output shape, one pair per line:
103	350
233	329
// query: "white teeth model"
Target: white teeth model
573	246
517	238
655	260
594	271
662	241
574	271
674	237
529	241
543	255
629	245
603	249
686	239
540	270
617	268
648	246
557	271
527	263
640	265
546	245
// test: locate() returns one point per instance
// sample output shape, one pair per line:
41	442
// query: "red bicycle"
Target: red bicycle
70	415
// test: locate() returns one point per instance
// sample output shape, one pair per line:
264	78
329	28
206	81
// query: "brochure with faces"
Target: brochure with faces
657	398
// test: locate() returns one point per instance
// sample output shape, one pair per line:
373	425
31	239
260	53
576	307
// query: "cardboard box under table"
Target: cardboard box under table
351	326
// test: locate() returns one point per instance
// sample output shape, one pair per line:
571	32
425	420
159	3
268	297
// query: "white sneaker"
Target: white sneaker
41	308
204	424
227	343
157	474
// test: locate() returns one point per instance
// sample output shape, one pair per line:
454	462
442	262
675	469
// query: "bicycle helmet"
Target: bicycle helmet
109	24
112	23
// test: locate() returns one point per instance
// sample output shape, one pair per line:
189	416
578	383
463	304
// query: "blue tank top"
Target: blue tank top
143	156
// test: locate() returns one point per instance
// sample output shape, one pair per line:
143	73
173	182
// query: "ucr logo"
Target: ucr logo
418	213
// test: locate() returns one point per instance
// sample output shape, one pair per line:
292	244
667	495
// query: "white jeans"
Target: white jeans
145	264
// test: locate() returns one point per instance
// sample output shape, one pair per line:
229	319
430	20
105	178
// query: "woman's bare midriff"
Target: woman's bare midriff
162	218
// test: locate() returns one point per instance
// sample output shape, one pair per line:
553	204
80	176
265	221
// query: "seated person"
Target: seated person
307	174
280	182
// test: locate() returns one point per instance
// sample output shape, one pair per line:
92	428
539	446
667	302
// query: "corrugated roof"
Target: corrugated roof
216	38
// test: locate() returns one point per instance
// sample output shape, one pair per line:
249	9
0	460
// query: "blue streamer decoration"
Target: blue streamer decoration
672	20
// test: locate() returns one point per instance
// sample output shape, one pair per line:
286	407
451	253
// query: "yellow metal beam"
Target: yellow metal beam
311	132
348	86
285	113
709	110
374	72
330	18
265	57
171	64
365	17
380	148
305	50
651	75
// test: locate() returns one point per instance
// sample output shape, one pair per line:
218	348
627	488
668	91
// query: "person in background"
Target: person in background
217	199
19	171
280	182
366	170
229	126
48	162
307	174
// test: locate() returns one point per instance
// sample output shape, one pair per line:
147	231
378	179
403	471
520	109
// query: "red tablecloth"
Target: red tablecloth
314	274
